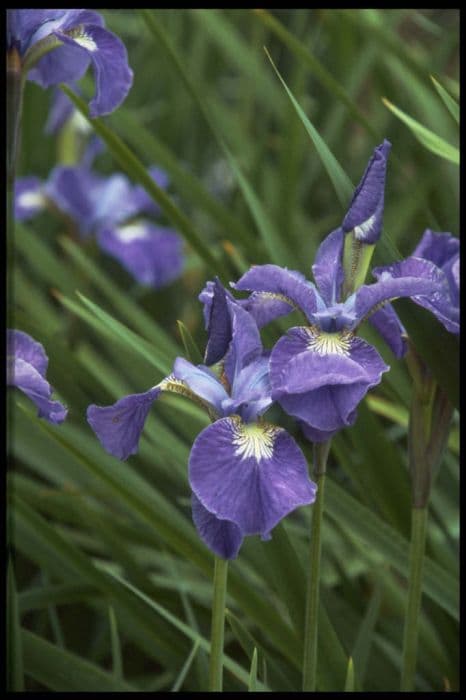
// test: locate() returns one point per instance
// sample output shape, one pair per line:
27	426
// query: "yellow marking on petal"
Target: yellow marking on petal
80	37
254	440
329	343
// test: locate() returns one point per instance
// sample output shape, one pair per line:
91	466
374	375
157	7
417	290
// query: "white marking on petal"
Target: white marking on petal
80	123
329	343
132	232
361	231
254	440
79	35
31	200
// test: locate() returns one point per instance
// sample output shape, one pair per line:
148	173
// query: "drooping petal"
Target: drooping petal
29	197
250	474
26	378
151	254
286	284
202	381
222	537
389	326
365	212
22	346
328	268
63	64
113	76
320	378
120	425
112	200
407	278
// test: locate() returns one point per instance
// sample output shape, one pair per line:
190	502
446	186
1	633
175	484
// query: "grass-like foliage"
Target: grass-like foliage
109	586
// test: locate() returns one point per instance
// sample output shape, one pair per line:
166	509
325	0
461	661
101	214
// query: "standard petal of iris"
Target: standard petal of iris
119	426
407	278
29	197
27	378
222	537
390	328
201	381
366	208
265	307
21	345
245	344
321	380
151	254
439	248
251	393
113	76
328	269
218	321
290	284
252	475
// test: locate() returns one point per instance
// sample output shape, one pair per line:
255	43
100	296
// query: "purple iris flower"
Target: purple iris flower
443	250
108	207
57	46
26	369
320	372
245	474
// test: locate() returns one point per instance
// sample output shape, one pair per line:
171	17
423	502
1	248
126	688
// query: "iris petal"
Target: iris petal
223	537
119	426
252	475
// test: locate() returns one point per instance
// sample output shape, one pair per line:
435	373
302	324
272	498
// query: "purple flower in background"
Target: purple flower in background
107	207
26	369
443	250
245	474
57	46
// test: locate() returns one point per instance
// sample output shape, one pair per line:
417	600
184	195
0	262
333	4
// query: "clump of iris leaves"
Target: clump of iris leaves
257	181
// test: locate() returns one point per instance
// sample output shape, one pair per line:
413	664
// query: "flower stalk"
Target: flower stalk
218	625
413	603
321	451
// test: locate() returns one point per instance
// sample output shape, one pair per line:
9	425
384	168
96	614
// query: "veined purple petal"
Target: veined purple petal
320	378
222	537
265	307
120	425
112	200
22	346
439	247
285	283
22	25
251	393
61	65
218	321
250	474
365	212
245	342
151	254
202	381
389	326
26	368
407	278
328	268
29	197
113	76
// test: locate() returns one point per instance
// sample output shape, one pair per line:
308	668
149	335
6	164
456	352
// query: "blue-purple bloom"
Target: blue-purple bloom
26	369
57	46
108	207
321	371
245	474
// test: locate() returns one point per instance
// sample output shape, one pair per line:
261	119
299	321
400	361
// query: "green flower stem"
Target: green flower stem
312	598
218	625
413	605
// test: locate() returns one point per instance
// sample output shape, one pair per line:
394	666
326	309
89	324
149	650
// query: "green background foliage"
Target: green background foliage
111	587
